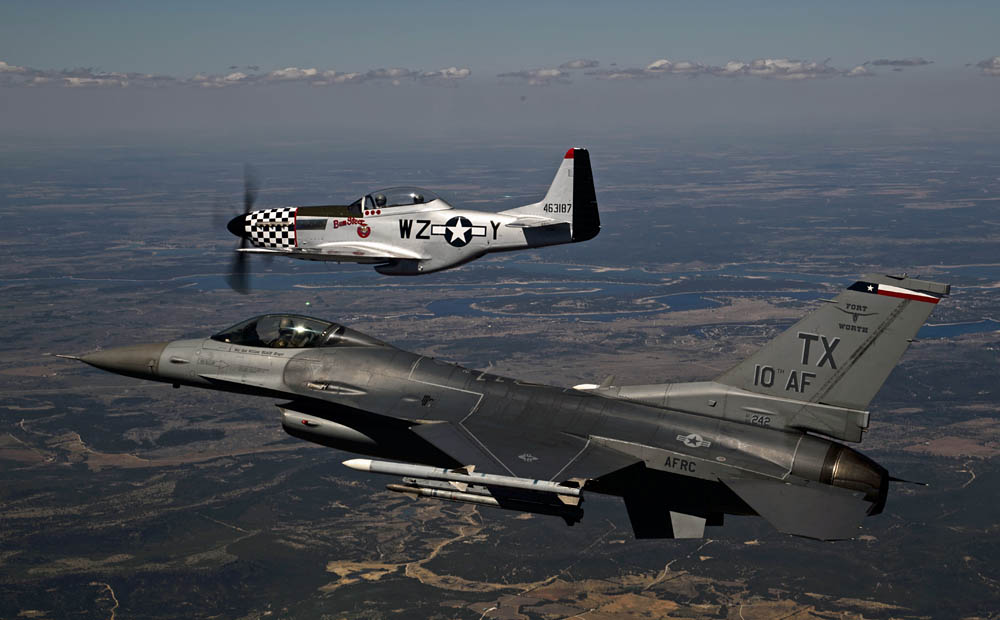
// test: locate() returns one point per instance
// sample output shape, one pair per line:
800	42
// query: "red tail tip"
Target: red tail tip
569	154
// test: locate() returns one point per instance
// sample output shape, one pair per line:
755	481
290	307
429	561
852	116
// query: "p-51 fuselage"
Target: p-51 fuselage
412	231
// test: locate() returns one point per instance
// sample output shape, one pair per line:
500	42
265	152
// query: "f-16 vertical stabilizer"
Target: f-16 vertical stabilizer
842	353
571	199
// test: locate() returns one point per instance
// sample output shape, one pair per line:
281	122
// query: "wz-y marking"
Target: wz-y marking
406	229
458	231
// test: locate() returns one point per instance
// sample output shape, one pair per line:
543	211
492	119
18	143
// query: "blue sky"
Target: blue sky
652	60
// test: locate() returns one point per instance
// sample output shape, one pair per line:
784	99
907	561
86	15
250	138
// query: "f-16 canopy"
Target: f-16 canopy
293	331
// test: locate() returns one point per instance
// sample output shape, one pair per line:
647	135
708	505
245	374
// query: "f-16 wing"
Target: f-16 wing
532	454
678	505
490	479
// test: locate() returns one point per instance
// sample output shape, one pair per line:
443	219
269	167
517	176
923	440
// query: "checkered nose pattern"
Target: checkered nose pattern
272	228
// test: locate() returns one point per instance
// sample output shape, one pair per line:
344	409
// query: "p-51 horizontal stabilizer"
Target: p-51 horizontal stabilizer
827	513
530	221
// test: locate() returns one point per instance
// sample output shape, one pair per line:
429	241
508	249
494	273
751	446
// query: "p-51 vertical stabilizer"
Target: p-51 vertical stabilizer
571	199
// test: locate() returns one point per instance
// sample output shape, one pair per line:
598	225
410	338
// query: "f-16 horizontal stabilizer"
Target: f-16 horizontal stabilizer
824	513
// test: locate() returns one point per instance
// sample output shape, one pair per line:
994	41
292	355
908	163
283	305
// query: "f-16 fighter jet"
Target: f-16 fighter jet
764	438
410	231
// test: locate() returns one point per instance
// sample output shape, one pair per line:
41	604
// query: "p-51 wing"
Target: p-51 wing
343	252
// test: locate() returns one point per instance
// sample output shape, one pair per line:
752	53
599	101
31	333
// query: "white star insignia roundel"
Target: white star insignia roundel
694	440
458	231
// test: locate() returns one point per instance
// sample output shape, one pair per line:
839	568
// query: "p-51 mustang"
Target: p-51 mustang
410	231
760	439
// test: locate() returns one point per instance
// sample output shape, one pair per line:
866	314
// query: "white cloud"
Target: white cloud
348	78
768	68
683	67
621	74
686	67
291	73
78	82
653	69
990	66
859	71
221	81
81	77
538	77
449	75
900	62
391	74
580	63
733	67
12	75
659	65
5	68
785	69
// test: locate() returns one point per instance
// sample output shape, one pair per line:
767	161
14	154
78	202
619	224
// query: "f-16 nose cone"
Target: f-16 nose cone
237	226
139	360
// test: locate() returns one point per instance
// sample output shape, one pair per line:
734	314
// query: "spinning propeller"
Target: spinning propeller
239	271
